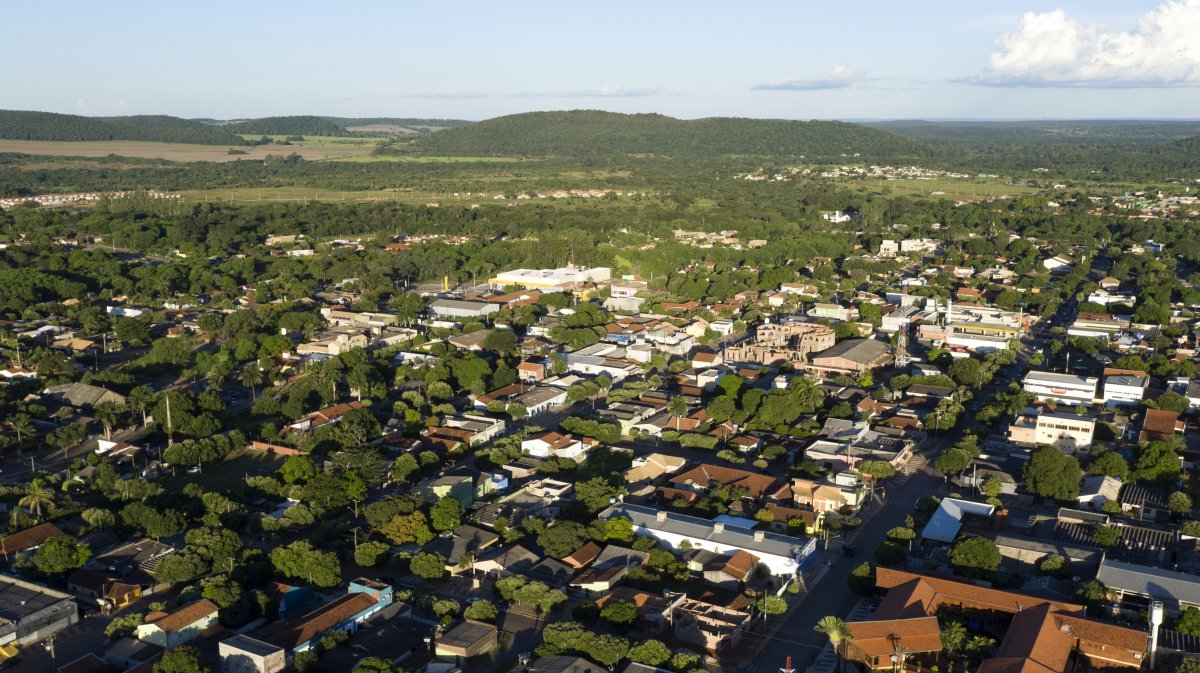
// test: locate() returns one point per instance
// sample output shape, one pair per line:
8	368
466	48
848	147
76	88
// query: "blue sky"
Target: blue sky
802	59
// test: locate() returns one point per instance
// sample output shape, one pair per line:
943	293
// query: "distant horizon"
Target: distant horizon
765	59
849	120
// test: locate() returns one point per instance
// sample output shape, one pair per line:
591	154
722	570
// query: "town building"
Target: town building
851	357
30	613
1124	388
1069	431
243	654
782	343
551	279
1065	388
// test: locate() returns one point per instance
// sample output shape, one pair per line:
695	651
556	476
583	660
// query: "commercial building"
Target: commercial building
1069	431
851	357
1096	326
781	554
30	613
551	279
1124	387
1137	585
1065	388
781	343
243	654
454	309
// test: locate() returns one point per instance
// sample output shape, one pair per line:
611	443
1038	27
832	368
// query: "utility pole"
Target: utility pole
787	667
170	428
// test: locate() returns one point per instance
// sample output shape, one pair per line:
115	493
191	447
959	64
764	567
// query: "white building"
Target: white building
553	444
1096	327
1097	490
781	554
456	308
1065	388
1068	431
1124	388
243	654
552	279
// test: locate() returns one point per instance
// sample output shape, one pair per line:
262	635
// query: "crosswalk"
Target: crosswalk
915	465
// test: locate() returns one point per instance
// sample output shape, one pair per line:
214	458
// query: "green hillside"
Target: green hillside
593	133
28	125
298	125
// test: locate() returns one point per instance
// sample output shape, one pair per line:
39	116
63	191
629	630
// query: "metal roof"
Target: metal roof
1152	582
945	523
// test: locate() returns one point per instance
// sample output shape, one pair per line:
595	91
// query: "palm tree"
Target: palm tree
140	399
109	414
251	376
678	406
954	636
38	497
838	633
22	424
979	646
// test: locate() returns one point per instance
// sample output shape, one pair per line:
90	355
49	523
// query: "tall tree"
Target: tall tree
839	634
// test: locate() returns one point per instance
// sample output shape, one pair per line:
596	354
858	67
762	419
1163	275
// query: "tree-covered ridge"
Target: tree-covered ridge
398	121
303	125
28	125
596	133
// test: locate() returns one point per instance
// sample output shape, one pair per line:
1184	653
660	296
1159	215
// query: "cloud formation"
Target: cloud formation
841	78
1049	49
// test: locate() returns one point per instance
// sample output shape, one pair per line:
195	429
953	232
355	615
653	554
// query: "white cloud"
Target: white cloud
1050	49
841	78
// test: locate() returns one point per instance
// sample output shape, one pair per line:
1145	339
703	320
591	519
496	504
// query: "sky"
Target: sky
798	59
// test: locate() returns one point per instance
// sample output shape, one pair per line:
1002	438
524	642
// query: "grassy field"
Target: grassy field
229	474
430	160
950	188
303	194
314	149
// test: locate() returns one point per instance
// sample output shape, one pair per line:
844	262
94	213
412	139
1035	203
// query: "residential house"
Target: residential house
364	599
322	417
1097	490
29	539
555	445
1160	425
171	629
466	640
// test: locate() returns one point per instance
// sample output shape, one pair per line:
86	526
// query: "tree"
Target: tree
61	554
1109	463
22	424
500	341
563	538
902	534
1094	595
1106	536
954	637
862	579
1051	473
405	528
619	612
1188	665
184	659
300	560
967	372
297	469
838	633
650	652
952	461
992	487
109	414
596	493
430	566
976	557
1189	622
446	514
403	467
539	595
608	649
1157	461
140	399
482	610
377	665
38	497
1052	564
368	553
772	605
97	517
180	567
1179	503
678	406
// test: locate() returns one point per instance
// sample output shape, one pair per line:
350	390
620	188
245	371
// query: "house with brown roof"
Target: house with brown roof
172	629
583	556
704	477
322	417
28	539
653	610
1159	425
102	589
1040	635
365	599
730	571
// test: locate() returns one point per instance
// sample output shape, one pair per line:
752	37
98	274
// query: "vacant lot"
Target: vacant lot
316	149
228	474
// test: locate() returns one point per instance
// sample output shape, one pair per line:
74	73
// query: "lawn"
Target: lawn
229	474
314	149
304	194
948	188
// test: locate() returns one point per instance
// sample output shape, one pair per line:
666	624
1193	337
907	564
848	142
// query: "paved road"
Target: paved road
796	637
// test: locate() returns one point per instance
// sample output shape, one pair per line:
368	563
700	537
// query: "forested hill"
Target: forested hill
299	125
25	125
594	133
